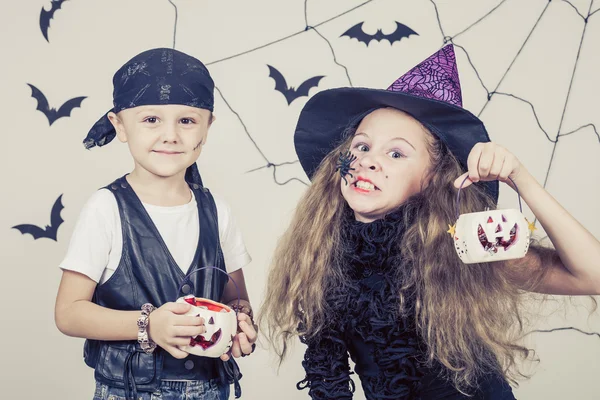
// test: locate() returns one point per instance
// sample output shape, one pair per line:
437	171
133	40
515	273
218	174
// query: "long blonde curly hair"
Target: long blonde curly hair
469	316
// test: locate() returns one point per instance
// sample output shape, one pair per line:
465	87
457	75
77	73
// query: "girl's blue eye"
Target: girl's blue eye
361	147
395	154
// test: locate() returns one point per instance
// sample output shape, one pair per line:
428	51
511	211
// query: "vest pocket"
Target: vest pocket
116	359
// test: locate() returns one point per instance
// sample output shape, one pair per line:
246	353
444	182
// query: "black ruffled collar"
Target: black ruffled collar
372	246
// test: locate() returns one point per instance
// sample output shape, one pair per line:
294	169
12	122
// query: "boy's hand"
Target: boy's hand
243	342
169	328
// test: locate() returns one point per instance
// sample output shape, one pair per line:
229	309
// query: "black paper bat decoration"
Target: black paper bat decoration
46	16
50	230
290	93
356	32
51	113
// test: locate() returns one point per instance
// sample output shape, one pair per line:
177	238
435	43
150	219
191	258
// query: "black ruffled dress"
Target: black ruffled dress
365	324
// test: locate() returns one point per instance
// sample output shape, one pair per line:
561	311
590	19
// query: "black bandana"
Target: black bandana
156	77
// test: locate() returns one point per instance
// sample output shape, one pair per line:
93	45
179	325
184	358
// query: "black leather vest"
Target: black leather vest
147	273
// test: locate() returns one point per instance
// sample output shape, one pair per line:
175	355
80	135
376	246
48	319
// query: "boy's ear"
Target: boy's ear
118	125
210	121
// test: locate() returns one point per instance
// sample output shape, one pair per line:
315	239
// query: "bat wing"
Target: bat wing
402	31
55	218
307	85
68	106
33	230
356	32
280	83
42	102
46	16
50	231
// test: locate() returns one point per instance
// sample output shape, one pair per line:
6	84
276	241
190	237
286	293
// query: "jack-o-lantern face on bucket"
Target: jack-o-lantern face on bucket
221	326
491	236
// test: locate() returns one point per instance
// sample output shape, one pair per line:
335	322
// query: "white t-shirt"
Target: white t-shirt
97	241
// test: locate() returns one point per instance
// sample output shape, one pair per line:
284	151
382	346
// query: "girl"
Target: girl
368	268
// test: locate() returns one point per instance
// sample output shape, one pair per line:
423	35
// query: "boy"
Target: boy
139	242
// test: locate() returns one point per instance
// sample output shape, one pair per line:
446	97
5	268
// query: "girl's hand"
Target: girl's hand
489	162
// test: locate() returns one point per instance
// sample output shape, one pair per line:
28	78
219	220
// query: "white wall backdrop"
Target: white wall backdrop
529	69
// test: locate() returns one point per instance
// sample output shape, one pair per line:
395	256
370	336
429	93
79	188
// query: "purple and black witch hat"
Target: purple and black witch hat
430	92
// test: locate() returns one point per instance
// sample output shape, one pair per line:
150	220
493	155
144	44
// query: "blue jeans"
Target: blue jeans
170	390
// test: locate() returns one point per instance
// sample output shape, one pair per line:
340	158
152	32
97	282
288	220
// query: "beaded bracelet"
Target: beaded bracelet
242	308
145	342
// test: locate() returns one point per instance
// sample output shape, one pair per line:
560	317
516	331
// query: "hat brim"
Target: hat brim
101	133
326	115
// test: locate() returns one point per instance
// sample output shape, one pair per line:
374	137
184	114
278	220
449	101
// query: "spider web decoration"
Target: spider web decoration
553	138
490	94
